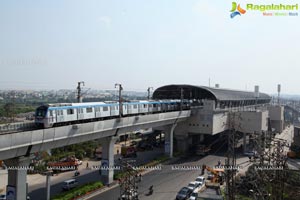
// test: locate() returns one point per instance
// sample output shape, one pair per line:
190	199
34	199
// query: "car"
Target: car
2	197
210	176
193	185
143	146
194	195
184	193
200	180
69	184
251	154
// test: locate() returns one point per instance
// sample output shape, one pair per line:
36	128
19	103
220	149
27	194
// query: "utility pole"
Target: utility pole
230	162
149	88
128	184
79	97
181	98
270	183
279	161
120	99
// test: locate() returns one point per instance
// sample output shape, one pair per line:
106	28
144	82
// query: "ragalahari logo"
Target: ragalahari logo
236	10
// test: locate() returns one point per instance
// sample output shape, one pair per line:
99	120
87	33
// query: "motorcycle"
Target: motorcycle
77	173
150	190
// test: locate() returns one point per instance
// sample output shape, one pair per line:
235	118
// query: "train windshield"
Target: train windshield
41	111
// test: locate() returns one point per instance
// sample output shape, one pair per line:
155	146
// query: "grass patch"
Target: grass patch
78	191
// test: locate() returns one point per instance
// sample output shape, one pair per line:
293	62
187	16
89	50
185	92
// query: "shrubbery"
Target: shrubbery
78	191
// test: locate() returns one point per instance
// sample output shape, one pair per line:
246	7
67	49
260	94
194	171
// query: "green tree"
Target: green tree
9	110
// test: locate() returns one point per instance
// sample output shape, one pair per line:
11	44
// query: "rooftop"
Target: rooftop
204	92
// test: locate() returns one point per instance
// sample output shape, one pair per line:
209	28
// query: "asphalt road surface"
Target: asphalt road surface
38	191
167	181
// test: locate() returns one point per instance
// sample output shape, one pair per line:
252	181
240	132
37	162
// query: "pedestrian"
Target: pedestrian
87	165
140	177
117	151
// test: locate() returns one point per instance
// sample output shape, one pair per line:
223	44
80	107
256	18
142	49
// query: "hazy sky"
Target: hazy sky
141	43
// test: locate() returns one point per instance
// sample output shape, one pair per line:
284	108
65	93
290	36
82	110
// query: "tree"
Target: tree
9	110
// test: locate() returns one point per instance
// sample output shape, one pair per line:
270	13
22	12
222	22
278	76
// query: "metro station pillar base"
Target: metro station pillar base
169	140
17	187
107	162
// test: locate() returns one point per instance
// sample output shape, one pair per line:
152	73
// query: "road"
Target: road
38	191
168	181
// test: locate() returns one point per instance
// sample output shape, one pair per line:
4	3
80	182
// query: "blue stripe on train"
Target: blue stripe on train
104	105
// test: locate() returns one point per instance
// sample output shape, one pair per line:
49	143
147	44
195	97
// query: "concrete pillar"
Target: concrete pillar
107	162
17	174
169	140
48	185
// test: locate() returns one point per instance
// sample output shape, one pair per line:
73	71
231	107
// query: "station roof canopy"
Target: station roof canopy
203	92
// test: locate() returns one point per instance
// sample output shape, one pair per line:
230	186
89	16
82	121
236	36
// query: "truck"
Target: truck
127	152
211	191
217	174
65	164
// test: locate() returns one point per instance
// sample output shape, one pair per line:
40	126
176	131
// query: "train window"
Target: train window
51	113
135	106
145	105
150	105
154	105
105	108
89	110
70	111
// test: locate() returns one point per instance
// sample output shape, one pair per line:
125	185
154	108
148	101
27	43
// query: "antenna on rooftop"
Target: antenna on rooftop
278	90
256	94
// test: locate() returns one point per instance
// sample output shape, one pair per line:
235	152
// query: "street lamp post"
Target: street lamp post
149	92
181	98
79	97
120	98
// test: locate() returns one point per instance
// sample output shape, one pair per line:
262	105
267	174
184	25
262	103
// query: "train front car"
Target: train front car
41	119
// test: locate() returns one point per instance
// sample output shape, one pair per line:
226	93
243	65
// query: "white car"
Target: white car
193	185
194	196
200	180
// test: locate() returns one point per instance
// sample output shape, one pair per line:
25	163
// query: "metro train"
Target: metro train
52	115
